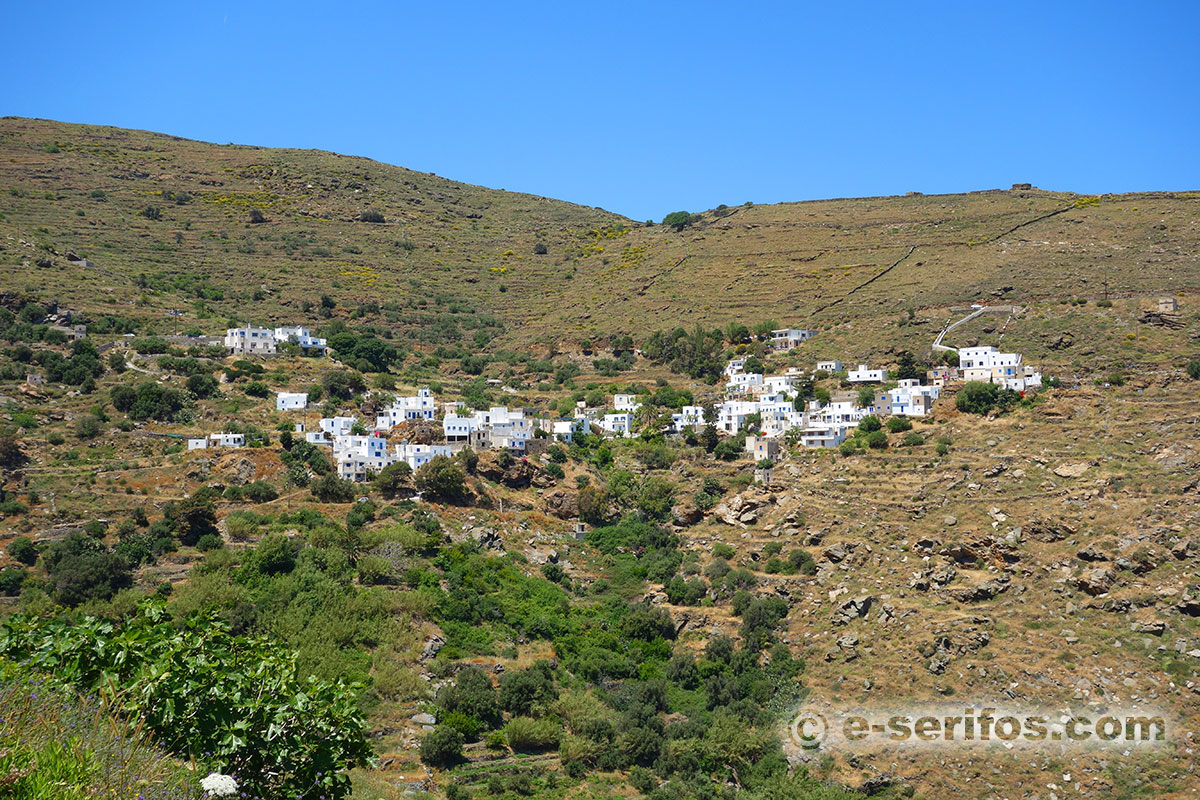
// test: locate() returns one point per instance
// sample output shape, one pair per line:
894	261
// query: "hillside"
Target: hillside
84	190
1044	554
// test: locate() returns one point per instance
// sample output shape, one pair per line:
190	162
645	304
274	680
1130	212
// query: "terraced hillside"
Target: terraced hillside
167	222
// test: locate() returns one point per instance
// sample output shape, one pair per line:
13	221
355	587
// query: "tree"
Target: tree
976	397
523	691
257	216
866	397
395	479
11	455
906	366
332	489
442	747
899	424
1193	370
678	220
877	440
442	477
24	550
869	424
192	518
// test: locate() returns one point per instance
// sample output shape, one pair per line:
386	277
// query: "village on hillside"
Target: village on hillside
766	409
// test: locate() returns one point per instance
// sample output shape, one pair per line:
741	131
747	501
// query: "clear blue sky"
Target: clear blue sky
647	108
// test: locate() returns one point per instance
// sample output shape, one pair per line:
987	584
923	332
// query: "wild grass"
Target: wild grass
58	745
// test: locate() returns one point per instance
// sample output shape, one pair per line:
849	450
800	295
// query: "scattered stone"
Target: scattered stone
1072	470
836	553
1090	553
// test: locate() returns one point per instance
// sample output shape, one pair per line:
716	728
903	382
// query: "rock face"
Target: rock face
1096	581
516	474
686	513
980	591
742	509
561	503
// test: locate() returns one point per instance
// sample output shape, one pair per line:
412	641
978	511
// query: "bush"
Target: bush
870	424
88	426
332	489
189	686
727	450
528	735
209	542
202	385
525	692
11	580
371	216
913	439
1193	370
23	549
802	562
877	440
442	478
899	424
980	398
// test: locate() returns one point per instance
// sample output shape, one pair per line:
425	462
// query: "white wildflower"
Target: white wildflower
218	785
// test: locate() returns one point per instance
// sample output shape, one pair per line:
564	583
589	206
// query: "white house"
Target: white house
618	424
300	336
418	406
418	455
787	338
688	417
291	401
909	398
226	440
865	375
249	341
742	382
989	365
197	444
626	402
734	366
330	428
830	366
359	456
458	429
823	435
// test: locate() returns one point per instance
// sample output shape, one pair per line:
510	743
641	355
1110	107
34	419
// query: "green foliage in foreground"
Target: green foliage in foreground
232	702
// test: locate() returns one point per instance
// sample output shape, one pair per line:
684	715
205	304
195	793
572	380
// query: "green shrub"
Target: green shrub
913	439
899	424
236	703
870	424
23	549
877	440
1193	370
528	735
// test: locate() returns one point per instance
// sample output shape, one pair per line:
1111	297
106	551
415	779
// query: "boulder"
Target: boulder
1075	470
561	503
1096	581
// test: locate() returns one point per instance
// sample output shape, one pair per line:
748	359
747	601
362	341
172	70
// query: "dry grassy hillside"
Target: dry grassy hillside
86	190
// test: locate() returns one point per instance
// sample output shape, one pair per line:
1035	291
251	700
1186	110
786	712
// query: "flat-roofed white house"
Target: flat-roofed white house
419	406
626	402
200	443
910	398
988	365
418	455
787	338
743	382
250	341
329	429
300	336
865	375
830	366
291	401
618	424
226	440
734	366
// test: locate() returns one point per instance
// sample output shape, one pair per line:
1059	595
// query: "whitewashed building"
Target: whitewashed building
418	406
865	375
300	336
618	424
250	341
830	366
988	365
626	402
787	338
291	401
418	455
